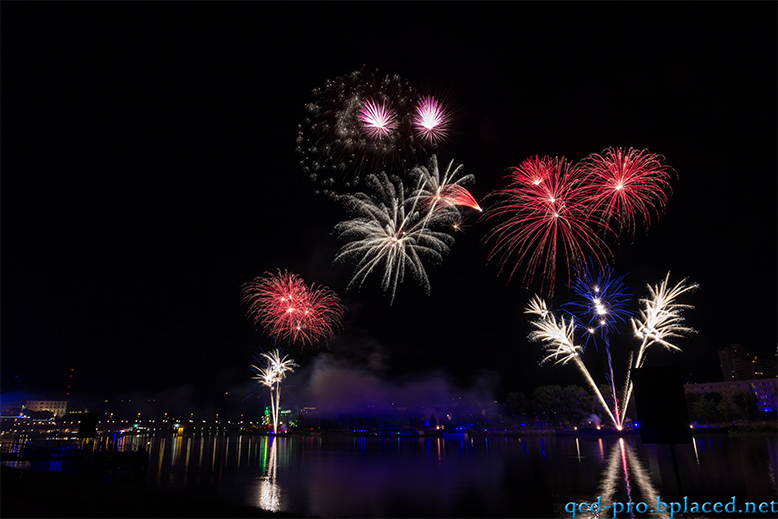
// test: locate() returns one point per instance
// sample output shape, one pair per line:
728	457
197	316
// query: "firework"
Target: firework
286	308
430	122
390	234
557	338
604	302
377	120
604	305
271	374
543	218
360	123
446	192
659	320
623	185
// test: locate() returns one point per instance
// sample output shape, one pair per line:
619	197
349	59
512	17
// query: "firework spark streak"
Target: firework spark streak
289	309
605	304
624	184
545	218
390	233
557	339
271	374
660	319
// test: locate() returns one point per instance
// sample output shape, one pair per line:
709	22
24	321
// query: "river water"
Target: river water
534	476
342	476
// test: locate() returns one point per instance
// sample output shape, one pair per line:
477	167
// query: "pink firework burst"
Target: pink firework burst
286	308
377	120
622	184
430	122
544	220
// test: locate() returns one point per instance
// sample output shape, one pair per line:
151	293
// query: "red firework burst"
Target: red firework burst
286	308
544	219
622	184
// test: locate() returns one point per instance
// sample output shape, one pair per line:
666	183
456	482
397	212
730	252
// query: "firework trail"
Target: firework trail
286	308
604	305
557	338
544	219
660	319
271	374
360	123
623	185
391	234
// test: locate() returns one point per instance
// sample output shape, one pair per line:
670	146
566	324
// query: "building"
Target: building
58	407
766	390
738	364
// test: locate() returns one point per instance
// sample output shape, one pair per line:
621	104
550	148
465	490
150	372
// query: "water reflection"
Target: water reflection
624	480
268	491
439	477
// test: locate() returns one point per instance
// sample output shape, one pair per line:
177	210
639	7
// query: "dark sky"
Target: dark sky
148	170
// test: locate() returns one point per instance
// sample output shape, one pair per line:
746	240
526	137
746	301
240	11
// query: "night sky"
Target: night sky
149	169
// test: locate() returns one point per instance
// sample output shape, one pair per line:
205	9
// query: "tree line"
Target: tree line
569	406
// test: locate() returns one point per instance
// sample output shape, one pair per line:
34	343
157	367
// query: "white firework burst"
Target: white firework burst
391	233
556	335
271	375
660	318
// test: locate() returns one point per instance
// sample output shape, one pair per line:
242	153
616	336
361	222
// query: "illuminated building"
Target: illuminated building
766	390
58	407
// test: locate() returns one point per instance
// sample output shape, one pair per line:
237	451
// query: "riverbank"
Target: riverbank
31	493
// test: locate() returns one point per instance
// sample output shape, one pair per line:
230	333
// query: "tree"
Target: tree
561	406
517	405
546	402
575	404
704	409
726	408
746	405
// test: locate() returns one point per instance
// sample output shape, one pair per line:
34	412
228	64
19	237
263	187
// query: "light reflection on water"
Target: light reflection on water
442	477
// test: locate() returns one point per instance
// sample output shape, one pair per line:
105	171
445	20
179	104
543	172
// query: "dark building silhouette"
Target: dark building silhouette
738	364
